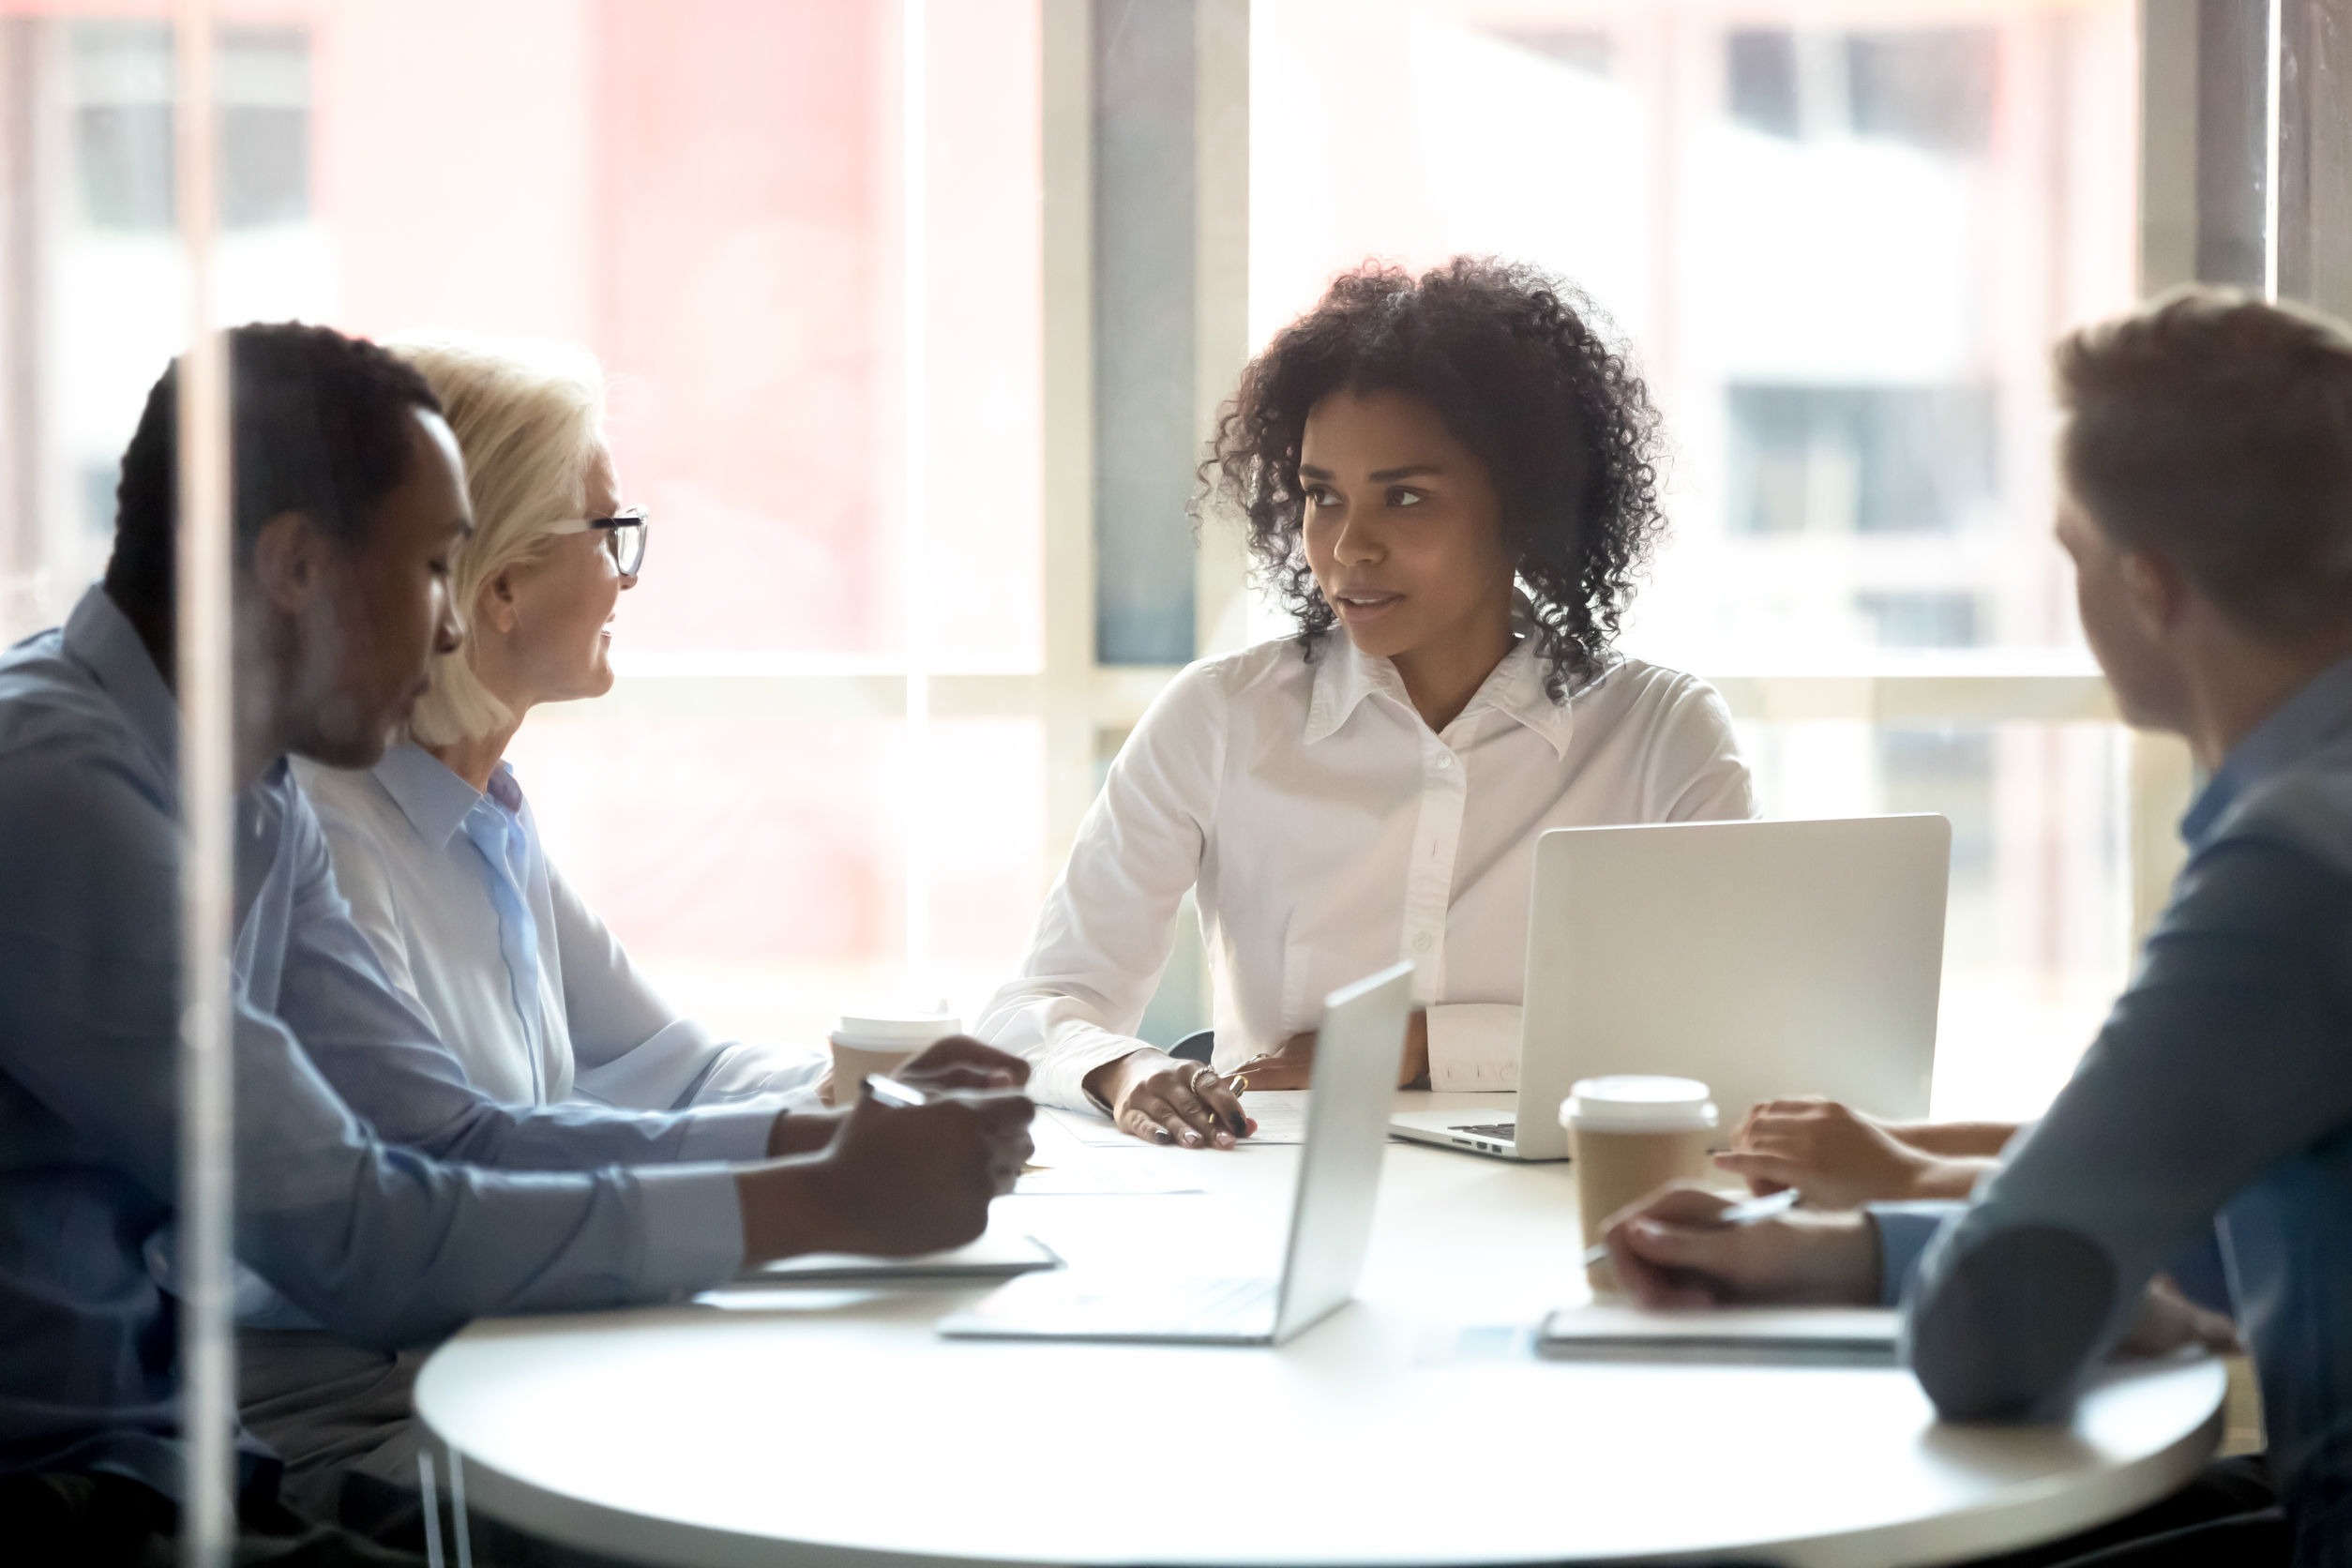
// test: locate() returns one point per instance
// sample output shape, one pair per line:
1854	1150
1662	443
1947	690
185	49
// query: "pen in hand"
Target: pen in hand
890	1092
1745	1213
1237	1084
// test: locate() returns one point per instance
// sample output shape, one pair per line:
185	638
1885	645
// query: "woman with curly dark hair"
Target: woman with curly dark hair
1451	482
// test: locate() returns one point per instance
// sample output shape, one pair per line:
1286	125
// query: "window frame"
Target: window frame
1080	700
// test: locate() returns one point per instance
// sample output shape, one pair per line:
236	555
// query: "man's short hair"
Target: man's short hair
2216	431
319	425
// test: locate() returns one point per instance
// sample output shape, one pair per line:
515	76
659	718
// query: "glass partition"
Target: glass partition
714	197
913	315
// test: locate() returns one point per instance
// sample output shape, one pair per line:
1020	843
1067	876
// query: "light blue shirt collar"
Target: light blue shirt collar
435	800
2321	710
101	638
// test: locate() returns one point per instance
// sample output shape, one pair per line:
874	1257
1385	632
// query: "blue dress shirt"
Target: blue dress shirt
2217	1099
483	933
494	825
387	1245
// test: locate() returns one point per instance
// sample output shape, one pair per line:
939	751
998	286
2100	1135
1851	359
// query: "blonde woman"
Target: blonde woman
436	847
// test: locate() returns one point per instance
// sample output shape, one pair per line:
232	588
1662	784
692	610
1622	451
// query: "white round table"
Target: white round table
1414	1426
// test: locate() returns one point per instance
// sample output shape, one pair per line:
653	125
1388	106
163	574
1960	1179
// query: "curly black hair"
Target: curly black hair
1509	359
319	424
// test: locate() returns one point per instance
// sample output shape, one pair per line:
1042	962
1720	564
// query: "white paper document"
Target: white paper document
1111	1174
1281	1115
997	1255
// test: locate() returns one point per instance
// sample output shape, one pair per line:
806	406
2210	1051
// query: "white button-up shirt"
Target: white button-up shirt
524	984
1326	832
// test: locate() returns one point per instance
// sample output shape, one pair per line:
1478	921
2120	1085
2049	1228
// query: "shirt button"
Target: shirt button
1422	943
1445	759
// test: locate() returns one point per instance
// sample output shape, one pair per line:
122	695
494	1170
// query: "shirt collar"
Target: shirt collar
99	635
1344	677
2318	712
435	800
1516	690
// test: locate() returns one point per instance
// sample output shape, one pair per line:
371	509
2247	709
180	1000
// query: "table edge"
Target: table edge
2061	1511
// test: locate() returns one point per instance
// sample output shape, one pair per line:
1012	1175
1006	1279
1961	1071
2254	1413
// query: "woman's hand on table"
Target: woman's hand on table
893	1181
1838	1158
1672	1250
1291	1064
1161	1099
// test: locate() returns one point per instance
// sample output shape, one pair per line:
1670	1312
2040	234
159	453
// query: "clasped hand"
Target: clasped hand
1163	1100
1671	1250
1838	1158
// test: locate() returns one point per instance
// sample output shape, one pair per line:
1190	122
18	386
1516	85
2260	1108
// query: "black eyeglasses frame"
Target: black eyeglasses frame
626	537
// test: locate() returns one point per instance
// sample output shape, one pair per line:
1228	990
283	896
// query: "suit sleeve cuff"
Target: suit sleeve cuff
1473	1045
1904	1231
693	1226
733	1134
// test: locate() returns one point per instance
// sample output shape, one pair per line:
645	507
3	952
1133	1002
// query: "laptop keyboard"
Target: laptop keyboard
1507	1131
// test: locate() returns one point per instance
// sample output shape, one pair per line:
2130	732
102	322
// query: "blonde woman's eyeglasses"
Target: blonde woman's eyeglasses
623	537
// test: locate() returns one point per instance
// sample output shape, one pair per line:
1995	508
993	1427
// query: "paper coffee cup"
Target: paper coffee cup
1628	1136
883	1040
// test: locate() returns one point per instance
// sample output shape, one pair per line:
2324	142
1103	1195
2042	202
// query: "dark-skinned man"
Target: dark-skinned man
375	1189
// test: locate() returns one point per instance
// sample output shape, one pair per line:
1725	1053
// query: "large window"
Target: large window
916	313
1838	241
806	245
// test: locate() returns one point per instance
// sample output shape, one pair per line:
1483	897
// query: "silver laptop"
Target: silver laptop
1763	959
1362	1041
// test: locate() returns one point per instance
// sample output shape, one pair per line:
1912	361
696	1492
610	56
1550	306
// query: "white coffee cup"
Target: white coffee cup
1630	1134
883	1040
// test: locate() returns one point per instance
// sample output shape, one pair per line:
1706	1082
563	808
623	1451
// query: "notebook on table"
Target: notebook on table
997	1255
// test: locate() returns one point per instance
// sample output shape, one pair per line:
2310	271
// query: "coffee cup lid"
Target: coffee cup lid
889	1026
1639	1103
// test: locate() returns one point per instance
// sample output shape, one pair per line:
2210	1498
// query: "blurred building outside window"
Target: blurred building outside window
1839	240
712	195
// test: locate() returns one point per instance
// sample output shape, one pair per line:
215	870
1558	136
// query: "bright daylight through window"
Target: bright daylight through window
1837	238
